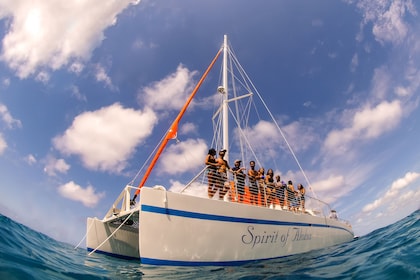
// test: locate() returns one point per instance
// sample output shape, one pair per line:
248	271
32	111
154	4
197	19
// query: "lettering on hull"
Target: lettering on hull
261	237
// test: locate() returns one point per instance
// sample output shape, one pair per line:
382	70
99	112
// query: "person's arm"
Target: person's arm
206	161
251	175
267	180
227	166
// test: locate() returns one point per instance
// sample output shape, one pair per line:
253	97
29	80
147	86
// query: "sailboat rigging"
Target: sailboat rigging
173	130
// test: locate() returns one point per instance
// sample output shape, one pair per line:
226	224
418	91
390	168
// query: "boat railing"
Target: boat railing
214	185
226	188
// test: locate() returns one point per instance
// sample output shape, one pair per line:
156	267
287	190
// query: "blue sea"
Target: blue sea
392	252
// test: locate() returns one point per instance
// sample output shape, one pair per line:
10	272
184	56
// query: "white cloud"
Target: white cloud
372	122
138	44
412	78
387	18
43	77
3	144
188	127
265	138
7	117
76	67
307	104
368	123
381	82
332	188
30	159
106	138
330	184
47	33
184	156
263	132
393	191
390	26
87	195
77	94
300	135
171	92
54	165
102	76
401	91
354	62
399	200
195	189
6	82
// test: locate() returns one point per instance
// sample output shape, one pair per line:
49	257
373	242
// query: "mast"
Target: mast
173	129
225	108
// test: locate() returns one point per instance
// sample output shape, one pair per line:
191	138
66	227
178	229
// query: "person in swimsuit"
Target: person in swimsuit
279	195
223	168
212	166
252	179
239	179
291	195
270	187
261	186
302	191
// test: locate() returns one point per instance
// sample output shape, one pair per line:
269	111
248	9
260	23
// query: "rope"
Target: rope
190	182
100	245
84	237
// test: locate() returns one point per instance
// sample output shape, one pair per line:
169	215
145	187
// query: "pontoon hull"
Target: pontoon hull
123	244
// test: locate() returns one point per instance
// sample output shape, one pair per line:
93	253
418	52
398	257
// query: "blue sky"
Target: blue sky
88	88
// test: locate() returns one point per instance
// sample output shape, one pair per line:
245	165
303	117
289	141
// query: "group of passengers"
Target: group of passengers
264	188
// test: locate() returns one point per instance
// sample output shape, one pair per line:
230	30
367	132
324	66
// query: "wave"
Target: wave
386	253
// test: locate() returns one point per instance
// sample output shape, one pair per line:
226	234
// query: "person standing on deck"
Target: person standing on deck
261	186
302	191
239	179
212	177
270	187
279	191
222	174
253	188
291	196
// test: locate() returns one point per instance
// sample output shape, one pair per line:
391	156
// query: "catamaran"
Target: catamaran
189	227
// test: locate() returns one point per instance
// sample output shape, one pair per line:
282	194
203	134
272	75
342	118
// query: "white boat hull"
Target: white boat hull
123	244
179	229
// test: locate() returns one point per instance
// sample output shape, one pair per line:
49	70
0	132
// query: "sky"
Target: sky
88	88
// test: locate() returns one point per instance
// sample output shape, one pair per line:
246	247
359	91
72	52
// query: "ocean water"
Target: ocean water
392	252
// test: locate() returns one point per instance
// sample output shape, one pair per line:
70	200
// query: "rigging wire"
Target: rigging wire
251	85
146	161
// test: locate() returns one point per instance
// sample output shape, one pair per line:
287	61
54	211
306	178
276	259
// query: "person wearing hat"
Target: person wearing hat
239	179
222	174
